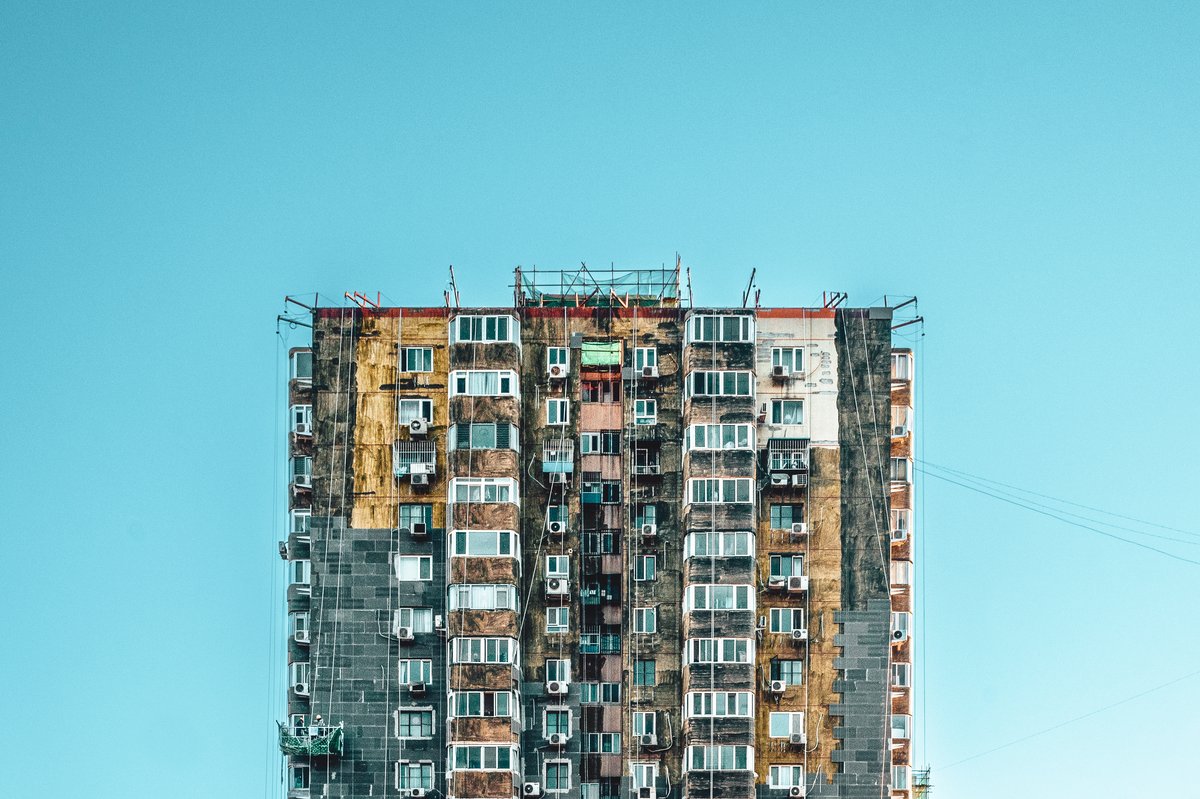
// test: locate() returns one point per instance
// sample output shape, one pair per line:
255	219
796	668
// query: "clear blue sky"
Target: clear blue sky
169	171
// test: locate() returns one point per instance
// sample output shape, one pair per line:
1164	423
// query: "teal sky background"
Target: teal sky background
168	172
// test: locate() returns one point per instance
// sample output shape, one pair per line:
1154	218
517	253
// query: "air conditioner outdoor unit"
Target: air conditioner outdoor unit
557	370
798	583
779	479
416	793
418	427
556	688
648	739
779	371
557	739
646	792
533	789
419	479
899	636
796	738
419	530
899	431
300	689
301	636
799	479
799	528
796	791
777	583
416	687
899	535
649	530
404	633
649	371
557	528
304	429
800	634
558	478
557	586
778	686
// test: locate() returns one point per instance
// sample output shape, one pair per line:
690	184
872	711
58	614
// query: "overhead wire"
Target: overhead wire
1011	501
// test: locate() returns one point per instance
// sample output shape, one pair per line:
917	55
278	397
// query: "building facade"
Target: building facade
598	544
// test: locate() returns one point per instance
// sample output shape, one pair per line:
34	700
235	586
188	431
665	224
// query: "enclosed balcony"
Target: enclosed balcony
558	455
411	458
787	455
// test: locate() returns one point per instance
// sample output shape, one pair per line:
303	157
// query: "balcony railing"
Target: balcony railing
310	741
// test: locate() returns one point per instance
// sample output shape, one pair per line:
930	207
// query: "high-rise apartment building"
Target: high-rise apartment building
600	544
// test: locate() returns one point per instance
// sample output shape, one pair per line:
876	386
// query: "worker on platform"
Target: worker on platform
317	727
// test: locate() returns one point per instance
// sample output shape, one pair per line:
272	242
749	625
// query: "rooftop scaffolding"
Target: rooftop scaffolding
585	288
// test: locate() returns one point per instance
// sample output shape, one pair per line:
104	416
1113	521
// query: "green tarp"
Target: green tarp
601	353
329	743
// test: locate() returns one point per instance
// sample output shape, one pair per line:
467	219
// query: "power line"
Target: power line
1053	509
1071	721
1019	504
1058	499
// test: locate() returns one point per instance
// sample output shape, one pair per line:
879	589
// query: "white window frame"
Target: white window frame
718	650
302	420
777	412
558	670
902	521
600	693
711	437
720	491
491	490
558	620
714	758
294	366
783	620
783	775
405	667
558	356
482	596
645	569
295	783
787	357
558	566
300	572
645	621
424	354
511	702
462	380
300	671
901	727
718	704
703	596
514	757
719	335
475	544
900	470
514	436
645	411
398	712
297	622
424	774
901	778
559	764
902	620
718	544
720	383
558	412
901	675
643	357
645	722
546	711
643	774
300	470
902	572
409	409
793	719
902	366
419	620
424	564
483	322
491	650
297	527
